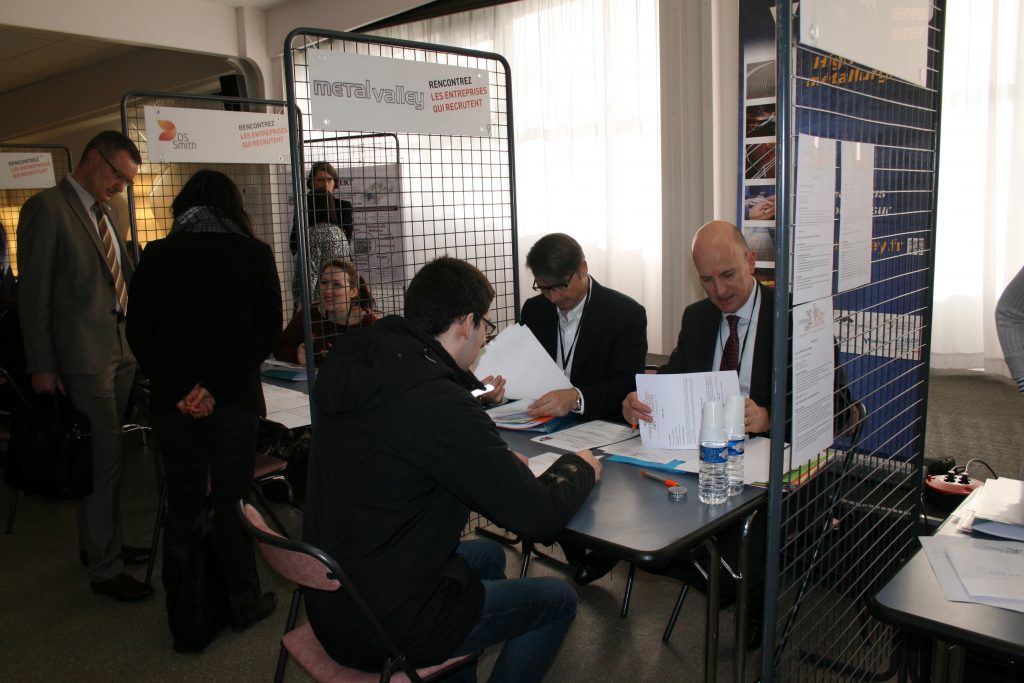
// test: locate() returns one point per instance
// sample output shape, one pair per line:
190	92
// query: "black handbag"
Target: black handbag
198	607
50	451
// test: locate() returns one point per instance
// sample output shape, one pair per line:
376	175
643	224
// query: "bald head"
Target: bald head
725	265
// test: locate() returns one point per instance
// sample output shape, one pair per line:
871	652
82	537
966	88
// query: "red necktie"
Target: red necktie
731	352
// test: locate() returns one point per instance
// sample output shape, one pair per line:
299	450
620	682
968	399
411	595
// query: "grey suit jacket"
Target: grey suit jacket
65	290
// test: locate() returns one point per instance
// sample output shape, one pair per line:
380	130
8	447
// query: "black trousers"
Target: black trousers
218	449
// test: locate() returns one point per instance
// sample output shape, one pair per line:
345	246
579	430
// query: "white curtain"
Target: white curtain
980	241
585	99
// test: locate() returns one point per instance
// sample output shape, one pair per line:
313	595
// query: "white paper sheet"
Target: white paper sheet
814	229
287	406
855	212
936	549
516	355
540	463
593	434
676	401
990	573
813	380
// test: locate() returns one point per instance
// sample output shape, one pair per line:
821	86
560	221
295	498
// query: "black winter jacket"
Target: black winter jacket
401	453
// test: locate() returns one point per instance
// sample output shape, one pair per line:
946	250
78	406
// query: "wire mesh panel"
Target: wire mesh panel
12	199
414	196
845	530
266	188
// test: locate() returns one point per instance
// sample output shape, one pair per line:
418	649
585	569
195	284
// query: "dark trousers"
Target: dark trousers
218	449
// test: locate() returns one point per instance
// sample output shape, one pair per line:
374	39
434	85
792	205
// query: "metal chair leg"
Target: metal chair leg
154	544
683	590
629	590
270	513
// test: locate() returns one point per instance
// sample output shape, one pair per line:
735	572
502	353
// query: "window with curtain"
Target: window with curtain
586	111
980	234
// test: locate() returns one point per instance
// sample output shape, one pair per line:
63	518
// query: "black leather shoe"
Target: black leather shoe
129	553
244	617
593	567
123	587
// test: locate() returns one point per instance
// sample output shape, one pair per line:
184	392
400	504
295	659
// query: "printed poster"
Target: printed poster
181	135
355	92
26	171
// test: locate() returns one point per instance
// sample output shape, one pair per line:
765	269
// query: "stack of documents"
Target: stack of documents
990	572
998	510
978	569
513	416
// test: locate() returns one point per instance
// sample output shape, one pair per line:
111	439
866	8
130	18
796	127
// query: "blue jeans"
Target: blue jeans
531	616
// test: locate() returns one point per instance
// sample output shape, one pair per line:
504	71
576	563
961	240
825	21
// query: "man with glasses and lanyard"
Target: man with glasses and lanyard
74	273
597	336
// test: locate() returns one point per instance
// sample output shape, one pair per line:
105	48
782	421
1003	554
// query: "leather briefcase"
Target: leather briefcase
50	452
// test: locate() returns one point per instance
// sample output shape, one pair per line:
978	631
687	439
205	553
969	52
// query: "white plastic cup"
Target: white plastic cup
734	410
712	421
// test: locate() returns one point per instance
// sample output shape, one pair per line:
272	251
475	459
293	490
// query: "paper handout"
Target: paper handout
676	402
516	355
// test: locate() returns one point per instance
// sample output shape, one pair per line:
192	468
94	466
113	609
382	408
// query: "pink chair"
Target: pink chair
312	569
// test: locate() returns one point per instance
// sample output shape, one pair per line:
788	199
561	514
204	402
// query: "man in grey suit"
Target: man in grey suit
73	276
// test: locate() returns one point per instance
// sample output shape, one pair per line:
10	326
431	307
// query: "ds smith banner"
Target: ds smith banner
174	134
20	171
378	94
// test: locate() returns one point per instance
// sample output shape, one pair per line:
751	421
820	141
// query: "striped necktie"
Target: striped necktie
731	352
102	227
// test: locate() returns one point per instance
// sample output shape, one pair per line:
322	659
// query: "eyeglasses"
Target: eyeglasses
489	327
121	177
547	289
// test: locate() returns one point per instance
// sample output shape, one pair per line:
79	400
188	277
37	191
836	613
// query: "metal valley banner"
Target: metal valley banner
377	94
203	135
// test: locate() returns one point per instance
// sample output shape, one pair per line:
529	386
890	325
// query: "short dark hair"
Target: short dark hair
554	256
217	191
109	143
321	166
445	290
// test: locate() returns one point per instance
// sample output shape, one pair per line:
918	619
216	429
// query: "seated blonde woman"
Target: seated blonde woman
343	304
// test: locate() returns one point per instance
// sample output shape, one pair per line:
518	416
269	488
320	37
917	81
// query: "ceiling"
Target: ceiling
28	55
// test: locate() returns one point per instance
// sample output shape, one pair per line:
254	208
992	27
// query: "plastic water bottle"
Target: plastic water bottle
736	439
711	486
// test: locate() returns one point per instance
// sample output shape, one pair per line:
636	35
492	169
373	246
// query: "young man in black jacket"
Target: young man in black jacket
401	453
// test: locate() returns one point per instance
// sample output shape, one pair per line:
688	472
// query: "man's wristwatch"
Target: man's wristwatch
579	401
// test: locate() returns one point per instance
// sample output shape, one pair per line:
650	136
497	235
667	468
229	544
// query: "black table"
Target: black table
633	519
913	600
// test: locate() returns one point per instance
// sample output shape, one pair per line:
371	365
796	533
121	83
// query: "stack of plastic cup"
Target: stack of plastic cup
711	484
736	437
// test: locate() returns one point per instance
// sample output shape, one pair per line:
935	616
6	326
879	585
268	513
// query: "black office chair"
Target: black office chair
312	569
